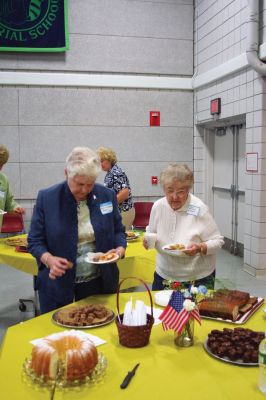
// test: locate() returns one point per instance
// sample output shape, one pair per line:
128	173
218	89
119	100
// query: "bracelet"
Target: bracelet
201	248
46	260
119	253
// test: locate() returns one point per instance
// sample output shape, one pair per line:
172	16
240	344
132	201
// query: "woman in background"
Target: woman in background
70	220
117	180
182	218
7	202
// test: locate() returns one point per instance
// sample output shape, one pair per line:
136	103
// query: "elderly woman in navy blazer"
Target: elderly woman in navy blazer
70	220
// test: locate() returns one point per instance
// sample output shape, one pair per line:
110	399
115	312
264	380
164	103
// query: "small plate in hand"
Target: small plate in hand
102	258
174	252
131	235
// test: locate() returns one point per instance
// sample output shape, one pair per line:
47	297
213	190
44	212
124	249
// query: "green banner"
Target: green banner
34	25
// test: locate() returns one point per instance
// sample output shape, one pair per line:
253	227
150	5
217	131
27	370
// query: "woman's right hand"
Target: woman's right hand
145	243
57	266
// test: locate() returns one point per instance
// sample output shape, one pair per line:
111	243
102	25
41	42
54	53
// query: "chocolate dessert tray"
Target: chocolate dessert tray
54	319
226	359
242	318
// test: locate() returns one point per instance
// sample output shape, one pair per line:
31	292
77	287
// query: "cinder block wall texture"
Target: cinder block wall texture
40	125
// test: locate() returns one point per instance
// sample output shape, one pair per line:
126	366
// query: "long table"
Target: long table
165	371
138	261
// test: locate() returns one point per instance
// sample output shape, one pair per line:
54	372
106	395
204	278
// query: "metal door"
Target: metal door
228	184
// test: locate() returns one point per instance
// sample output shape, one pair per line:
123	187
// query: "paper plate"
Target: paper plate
90	260
177	253
132	237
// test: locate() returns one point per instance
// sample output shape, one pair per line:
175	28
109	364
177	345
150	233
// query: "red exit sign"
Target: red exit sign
215	106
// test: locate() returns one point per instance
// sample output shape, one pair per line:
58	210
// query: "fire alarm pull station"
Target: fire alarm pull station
154	118
154	180
215	106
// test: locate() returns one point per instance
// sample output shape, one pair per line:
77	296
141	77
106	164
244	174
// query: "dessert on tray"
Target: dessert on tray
227	304
86	315
237	344
17	241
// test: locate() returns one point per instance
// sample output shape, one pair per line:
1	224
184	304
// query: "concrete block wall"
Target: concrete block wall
243	99
220	32
40	124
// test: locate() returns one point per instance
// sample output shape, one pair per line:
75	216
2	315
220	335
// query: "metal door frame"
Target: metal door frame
234	190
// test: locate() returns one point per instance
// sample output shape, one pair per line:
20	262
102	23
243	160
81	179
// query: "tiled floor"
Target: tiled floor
15	284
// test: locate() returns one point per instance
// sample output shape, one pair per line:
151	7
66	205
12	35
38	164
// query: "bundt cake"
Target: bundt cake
74	349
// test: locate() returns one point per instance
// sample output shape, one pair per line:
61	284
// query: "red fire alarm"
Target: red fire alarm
154	180
154	118
215	106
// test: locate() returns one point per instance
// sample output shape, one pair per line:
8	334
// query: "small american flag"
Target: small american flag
174	316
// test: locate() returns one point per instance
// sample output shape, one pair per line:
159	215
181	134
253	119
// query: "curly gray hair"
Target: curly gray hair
177	172
83	161
4	154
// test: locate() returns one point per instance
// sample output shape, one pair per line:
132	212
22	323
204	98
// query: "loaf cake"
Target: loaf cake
76	352
226	304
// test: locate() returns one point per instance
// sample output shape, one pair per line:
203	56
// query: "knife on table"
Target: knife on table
129	376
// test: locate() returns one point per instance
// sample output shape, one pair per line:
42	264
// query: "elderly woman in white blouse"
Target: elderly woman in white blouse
182	218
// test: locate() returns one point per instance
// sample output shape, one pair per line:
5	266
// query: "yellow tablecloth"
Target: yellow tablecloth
165	371
138	261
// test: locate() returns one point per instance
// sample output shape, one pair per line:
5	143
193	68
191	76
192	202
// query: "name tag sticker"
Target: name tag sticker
2	194
106	208
193	210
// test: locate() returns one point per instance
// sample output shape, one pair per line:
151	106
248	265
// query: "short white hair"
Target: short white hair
177	172
83	161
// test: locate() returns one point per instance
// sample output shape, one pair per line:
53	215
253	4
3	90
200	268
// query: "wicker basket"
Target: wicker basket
134	336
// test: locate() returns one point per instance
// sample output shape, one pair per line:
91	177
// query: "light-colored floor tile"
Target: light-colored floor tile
230	274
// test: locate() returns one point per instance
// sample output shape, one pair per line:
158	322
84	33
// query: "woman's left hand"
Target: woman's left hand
19	210
119	250
196	249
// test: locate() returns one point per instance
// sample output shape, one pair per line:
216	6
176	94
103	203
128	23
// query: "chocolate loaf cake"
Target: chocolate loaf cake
225	304
216	308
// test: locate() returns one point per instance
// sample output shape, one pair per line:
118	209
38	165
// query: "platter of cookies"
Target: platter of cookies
17	241
85	316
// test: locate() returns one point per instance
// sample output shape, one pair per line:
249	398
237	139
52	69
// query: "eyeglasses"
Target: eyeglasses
177	193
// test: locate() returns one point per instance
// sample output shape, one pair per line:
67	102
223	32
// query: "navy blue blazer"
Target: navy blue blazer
54	228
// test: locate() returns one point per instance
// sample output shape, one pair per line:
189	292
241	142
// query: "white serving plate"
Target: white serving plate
226	359
90	259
